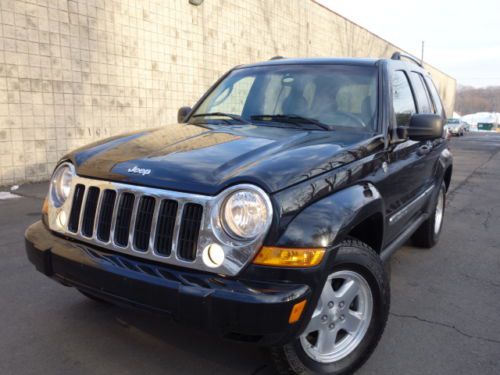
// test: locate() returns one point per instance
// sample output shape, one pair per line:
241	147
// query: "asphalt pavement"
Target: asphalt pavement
445	313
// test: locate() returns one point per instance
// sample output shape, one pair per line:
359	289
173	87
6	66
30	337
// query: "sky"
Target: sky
462	38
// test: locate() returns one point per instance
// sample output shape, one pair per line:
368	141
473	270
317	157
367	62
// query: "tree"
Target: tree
472	100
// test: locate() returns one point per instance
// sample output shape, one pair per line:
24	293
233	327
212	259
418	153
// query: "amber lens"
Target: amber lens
45	207
289	257
296	312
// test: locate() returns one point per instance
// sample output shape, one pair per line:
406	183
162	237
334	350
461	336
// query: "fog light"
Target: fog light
213	255
62	218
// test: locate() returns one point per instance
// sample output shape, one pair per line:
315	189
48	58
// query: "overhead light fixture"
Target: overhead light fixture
195	2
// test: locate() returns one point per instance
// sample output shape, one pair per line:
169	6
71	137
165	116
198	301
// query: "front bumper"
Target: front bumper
233	308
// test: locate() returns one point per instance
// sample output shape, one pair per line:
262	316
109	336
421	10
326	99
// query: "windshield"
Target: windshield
322	97
453	121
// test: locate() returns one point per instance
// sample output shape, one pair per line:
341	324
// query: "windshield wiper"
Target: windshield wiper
221	114
291	119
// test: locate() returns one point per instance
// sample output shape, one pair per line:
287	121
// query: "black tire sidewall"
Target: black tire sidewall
441	191
366	262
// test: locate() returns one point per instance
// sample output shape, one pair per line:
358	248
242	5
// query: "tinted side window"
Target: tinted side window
423	100
435	96
404	105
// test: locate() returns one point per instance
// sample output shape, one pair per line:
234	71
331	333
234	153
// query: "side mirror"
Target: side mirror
182	114
425	126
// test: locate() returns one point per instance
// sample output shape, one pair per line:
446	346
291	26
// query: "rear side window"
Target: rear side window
438	106
423	99
404	105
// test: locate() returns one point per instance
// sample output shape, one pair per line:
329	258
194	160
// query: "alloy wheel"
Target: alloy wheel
341	319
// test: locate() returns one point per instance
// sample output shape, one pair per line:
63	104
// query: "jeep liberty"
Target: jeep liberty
267	214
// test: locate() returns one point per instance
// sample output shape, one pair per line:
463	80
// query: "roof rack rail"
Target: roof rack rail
399	55
277	58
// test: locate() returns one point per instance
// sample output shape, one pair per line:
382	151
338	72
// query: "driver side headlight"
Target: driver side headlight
60	184
245	213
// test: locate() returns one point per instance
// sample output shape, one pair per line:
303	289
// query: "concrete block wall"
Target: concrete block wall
75	71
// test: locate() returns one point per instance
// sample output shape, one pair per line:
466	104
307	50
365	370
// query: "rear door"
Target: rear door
407	184
427	104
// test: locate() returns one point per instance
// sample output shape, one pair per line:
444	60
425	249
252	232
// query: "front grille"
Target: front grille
133	220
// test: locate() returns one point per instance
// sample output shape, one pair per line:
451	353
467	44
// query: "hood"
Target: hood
206	159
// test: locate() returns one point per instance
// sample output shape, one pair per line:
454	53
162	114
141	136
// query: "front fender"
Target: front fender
327	221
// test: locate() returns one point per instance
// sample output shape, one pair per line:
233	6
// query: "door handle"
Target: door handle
424	150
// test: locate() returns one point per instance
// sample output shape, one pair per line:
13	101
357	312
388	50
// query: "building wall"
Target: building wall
75	71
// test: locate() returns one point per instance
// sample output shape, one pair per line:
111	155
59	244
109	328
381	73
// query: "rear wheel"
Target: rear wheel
348	321
427	235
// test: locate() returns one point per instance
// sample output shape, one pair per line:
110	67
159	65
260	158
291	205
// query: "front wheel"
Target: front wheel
348	321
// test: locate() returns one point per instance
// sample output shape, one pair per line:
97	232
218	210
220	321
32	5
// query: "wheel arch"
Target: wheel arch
370	231
352	212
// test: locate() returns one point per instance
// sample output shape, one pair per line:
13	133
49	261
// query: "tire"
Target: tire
92	297
427	235
354	259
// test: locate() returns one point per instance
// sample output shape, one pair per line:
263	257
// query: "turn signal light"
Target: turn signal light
289	257
45	207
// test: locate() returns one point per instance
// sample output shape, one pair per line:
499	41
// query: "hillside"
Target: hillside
472	100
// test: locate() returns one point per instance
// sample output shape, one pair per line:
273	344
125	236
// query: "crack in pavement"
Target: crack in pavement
446	325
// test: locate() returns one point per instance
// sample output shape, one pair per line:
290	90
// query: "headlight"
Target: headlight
60	185
246	213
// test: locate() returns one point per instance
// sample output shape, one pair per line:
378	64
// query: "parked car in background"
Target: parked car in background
455	126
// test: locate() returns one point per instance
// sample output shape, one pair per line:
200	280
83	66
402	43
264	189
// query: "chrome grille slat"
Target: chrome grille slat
177	228
84	200
111	239
131	231
154	224
97	214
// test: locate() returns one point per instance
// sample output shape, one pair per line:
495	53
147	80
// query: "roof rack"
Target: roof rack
399	55
276	58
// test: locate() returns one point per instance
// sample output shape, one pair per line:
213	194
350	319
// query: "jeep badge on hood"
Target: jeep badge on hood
137	170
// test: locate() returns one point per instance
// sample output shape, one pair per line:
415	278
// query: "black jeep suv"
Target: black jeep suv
267	213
